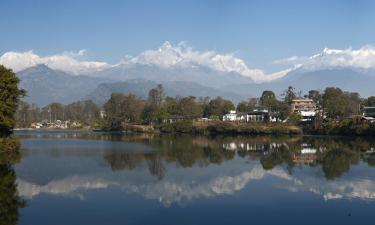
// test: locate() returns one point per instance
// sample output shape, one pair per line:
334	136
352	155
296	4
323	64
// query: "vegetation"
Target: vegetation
85	112
176	114
9	97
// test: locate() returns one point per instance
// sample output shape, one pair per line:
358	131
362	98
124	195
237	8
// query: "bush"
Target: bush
183	126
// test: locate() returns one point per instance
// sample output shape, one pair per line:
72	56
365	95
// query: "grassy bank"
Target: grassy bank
345	127
231	128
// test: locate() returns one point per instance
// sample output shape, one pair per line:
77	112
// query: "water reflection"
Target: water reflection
10	202
178	169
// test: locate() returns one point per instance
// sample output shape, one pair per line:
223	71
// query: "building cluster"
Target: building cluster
58	124
306	108
368	114
259	114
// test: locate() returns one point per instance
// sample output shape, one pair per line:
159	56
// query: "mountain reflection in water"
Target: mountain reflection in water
178	169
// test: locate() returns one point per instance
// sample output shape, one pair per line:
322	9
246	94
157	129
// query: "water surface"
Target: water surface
96	178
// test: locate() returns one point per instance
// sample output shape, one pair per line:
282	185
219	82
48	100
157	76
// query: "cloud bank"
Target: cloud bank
183	56
363	58
67	61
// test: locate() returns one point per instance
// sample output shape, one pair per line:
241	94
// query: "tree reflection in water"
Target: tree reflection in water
333	155
10	201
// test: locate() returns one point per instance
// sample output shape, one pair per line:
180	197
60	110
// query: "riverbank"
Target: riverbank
343	128
217	127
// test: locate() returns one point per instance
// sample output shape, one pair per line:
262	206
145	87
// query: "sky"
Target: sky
258	32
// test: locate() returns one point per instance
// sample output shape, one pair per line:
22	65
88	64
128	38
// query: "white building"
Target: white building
233	116
305	107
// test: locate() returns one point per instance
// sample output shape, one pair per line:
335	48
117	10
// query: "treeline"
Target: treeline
86	112
10	95
158	108
122	109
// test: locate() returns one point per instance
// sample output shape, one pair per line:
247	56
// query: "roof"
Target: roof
302	100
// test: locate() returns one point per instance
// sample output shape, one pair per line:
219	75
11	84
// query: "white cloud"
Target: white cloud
166	56
67	61
363	58
182	56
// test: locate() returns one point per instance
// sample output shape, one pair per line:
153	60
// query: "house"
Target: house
367	119
305	107
233	116
102	114
258	115
368	112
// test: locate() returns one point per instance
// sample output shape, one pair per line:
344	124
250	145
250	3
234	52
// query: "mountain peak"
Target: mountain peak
42	68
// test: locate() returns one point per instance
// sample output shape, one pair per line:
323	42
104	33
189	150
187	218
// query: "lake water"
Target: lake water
94	178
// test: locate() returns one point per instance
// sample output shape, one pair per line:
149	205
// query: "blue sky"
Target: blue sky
257	31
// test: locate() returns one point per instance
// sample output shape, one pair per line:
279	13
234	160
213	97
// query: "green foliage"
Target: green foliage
316	96
182	126
247	106
121	109
295	118
338	104
268	99
251	128
218	107
289	94
9	97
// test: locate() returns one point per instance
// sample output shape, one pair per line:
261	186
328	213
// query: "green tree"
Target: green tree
335	103
315	95
122	109
156	95
268	99
289	94
242	106
9	98
371	101
218	107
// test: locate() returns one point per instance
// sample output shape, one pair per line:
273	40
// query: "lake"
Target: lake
81	177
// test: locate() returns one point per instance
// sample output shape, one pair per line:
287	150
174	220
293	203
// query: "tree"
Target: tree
188	108
334	102
289	94
246	106
156	95
22	115
369	102
123	109
242	106
9	98
315	96
218	107
268	99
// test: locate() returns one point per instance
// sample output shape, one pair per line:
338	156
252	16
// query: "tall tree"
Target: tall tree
370	101
123	109
268	99
218	107
289	94
315	95
335	103
10	95
156	95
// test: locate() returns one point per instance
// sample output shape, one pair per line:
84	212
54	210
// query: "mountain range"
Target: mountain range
45	85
